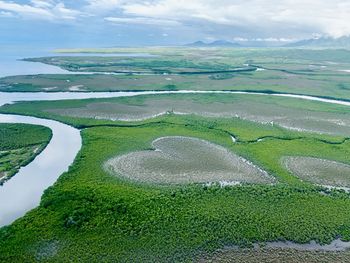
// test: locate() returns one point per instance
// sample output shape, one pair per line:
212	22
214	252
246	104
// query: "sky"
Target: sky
108	23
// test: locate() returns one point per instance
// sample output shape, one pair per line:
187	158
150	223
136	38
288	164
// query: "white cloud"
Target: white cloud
102	6
327	17
275	20
6	14
42	3
41	10
142	21
273	39
240	39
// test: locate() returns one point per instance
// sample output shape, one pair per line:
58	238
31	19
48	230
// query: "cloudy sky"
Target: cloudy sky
85	23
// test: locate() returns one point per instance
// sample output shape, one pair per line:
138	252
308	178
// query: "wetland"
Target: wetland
181	172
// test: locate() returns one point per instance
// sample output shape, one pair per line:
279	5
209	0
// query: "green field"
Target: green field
92	215
19	144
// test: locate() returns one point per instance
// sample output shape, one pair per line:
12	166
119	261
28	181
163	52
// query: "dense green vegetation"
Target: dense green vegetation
19	144
90	215
163	64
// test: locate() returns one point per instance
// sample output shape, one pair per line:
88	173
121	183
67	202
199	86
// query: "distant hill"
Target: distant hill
217	43
326	42
322	42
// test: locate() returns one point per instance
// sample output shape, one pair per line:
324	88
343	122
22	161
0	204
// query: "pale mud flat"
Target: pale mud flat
182	160
319	171
335	245
266	113
77	88
50	88
276	255
283	251
3	175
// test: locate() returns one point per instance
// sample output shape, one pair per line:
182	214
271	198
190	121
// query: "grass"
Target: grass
19	145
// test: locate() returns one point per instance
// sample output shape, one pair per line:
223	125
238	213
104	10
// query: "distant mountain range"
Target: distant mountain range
217	43
323	42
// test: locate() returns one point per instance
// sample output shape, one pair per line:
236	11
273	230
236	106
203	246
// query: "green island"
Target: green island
19	145
315	72
93	214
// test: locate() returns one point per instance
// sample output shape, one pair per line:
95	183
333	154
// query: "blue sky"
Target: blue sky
90	23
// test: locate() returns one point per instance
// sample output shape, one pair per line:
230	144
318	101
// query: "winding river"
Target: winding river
23	192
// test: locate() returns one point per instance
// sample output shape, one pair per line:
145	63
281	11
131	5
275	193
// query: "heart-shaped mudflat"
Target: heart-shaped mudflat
319	171
181	160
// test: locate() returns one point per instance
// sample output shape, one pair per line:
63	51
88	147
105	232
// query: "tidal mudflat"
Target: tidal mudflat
319	171
179	160
290	113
